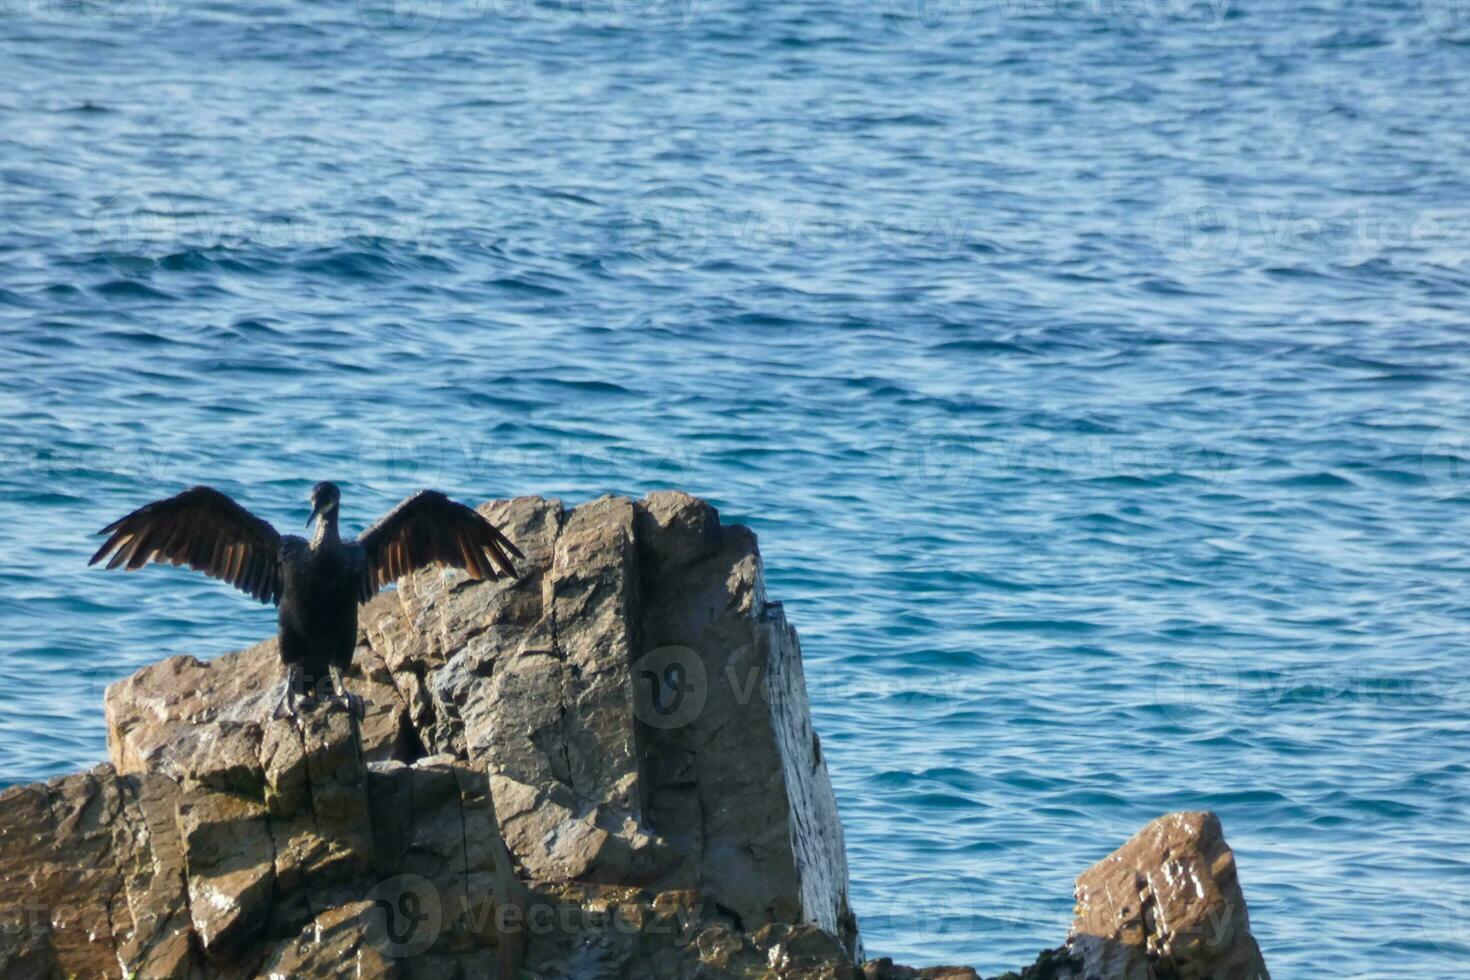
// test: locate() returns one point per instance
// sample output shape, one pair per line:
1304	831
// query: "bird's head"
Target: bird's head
324	499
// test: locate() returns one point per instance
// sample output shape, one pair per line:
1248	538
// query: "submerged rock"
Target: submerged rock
604	768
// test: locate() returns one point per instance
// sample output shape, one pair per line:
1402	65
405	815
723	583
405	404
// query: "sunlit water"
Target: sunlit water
1094	373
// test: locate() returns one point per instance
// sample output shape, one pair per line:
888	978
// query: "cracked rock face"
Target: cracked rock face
276	853
80	893
602	769
1167	904
614	748
638	704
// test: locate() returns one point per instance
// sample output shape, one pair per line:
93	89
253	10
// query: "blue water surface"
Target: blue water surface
1094	371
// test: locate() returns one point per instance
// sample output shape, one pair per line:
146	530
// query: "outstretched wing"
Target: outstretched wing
207	531
429	528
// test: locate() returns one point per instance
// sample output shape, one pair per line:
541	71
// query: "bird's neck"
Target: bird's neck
326	530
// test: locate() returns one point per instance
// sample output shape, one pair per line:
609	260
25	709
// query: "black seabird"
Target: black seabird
317	584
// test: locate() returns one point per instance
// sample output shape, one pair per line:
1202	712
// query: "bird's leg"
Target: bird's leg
287	707
339	688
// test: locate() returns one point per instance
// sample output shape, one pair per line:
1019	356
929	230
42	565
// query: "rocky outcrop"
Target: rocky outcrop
602	769
608	760
637	703
1167	904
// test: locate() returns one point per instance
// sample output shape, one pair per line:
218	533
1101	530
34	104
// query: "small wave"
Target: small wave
524	287
1321	480
130	289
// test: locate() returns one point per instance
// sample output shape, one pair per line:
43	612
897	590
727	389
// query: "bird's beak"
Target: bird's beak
316	511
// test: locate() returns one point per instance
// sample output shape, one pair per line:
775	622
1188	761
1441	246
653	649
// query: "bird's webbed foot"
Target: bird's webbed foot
354	705
286	708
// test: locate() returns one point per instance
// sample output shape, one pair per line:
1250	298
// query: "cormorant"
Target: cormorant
317	584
